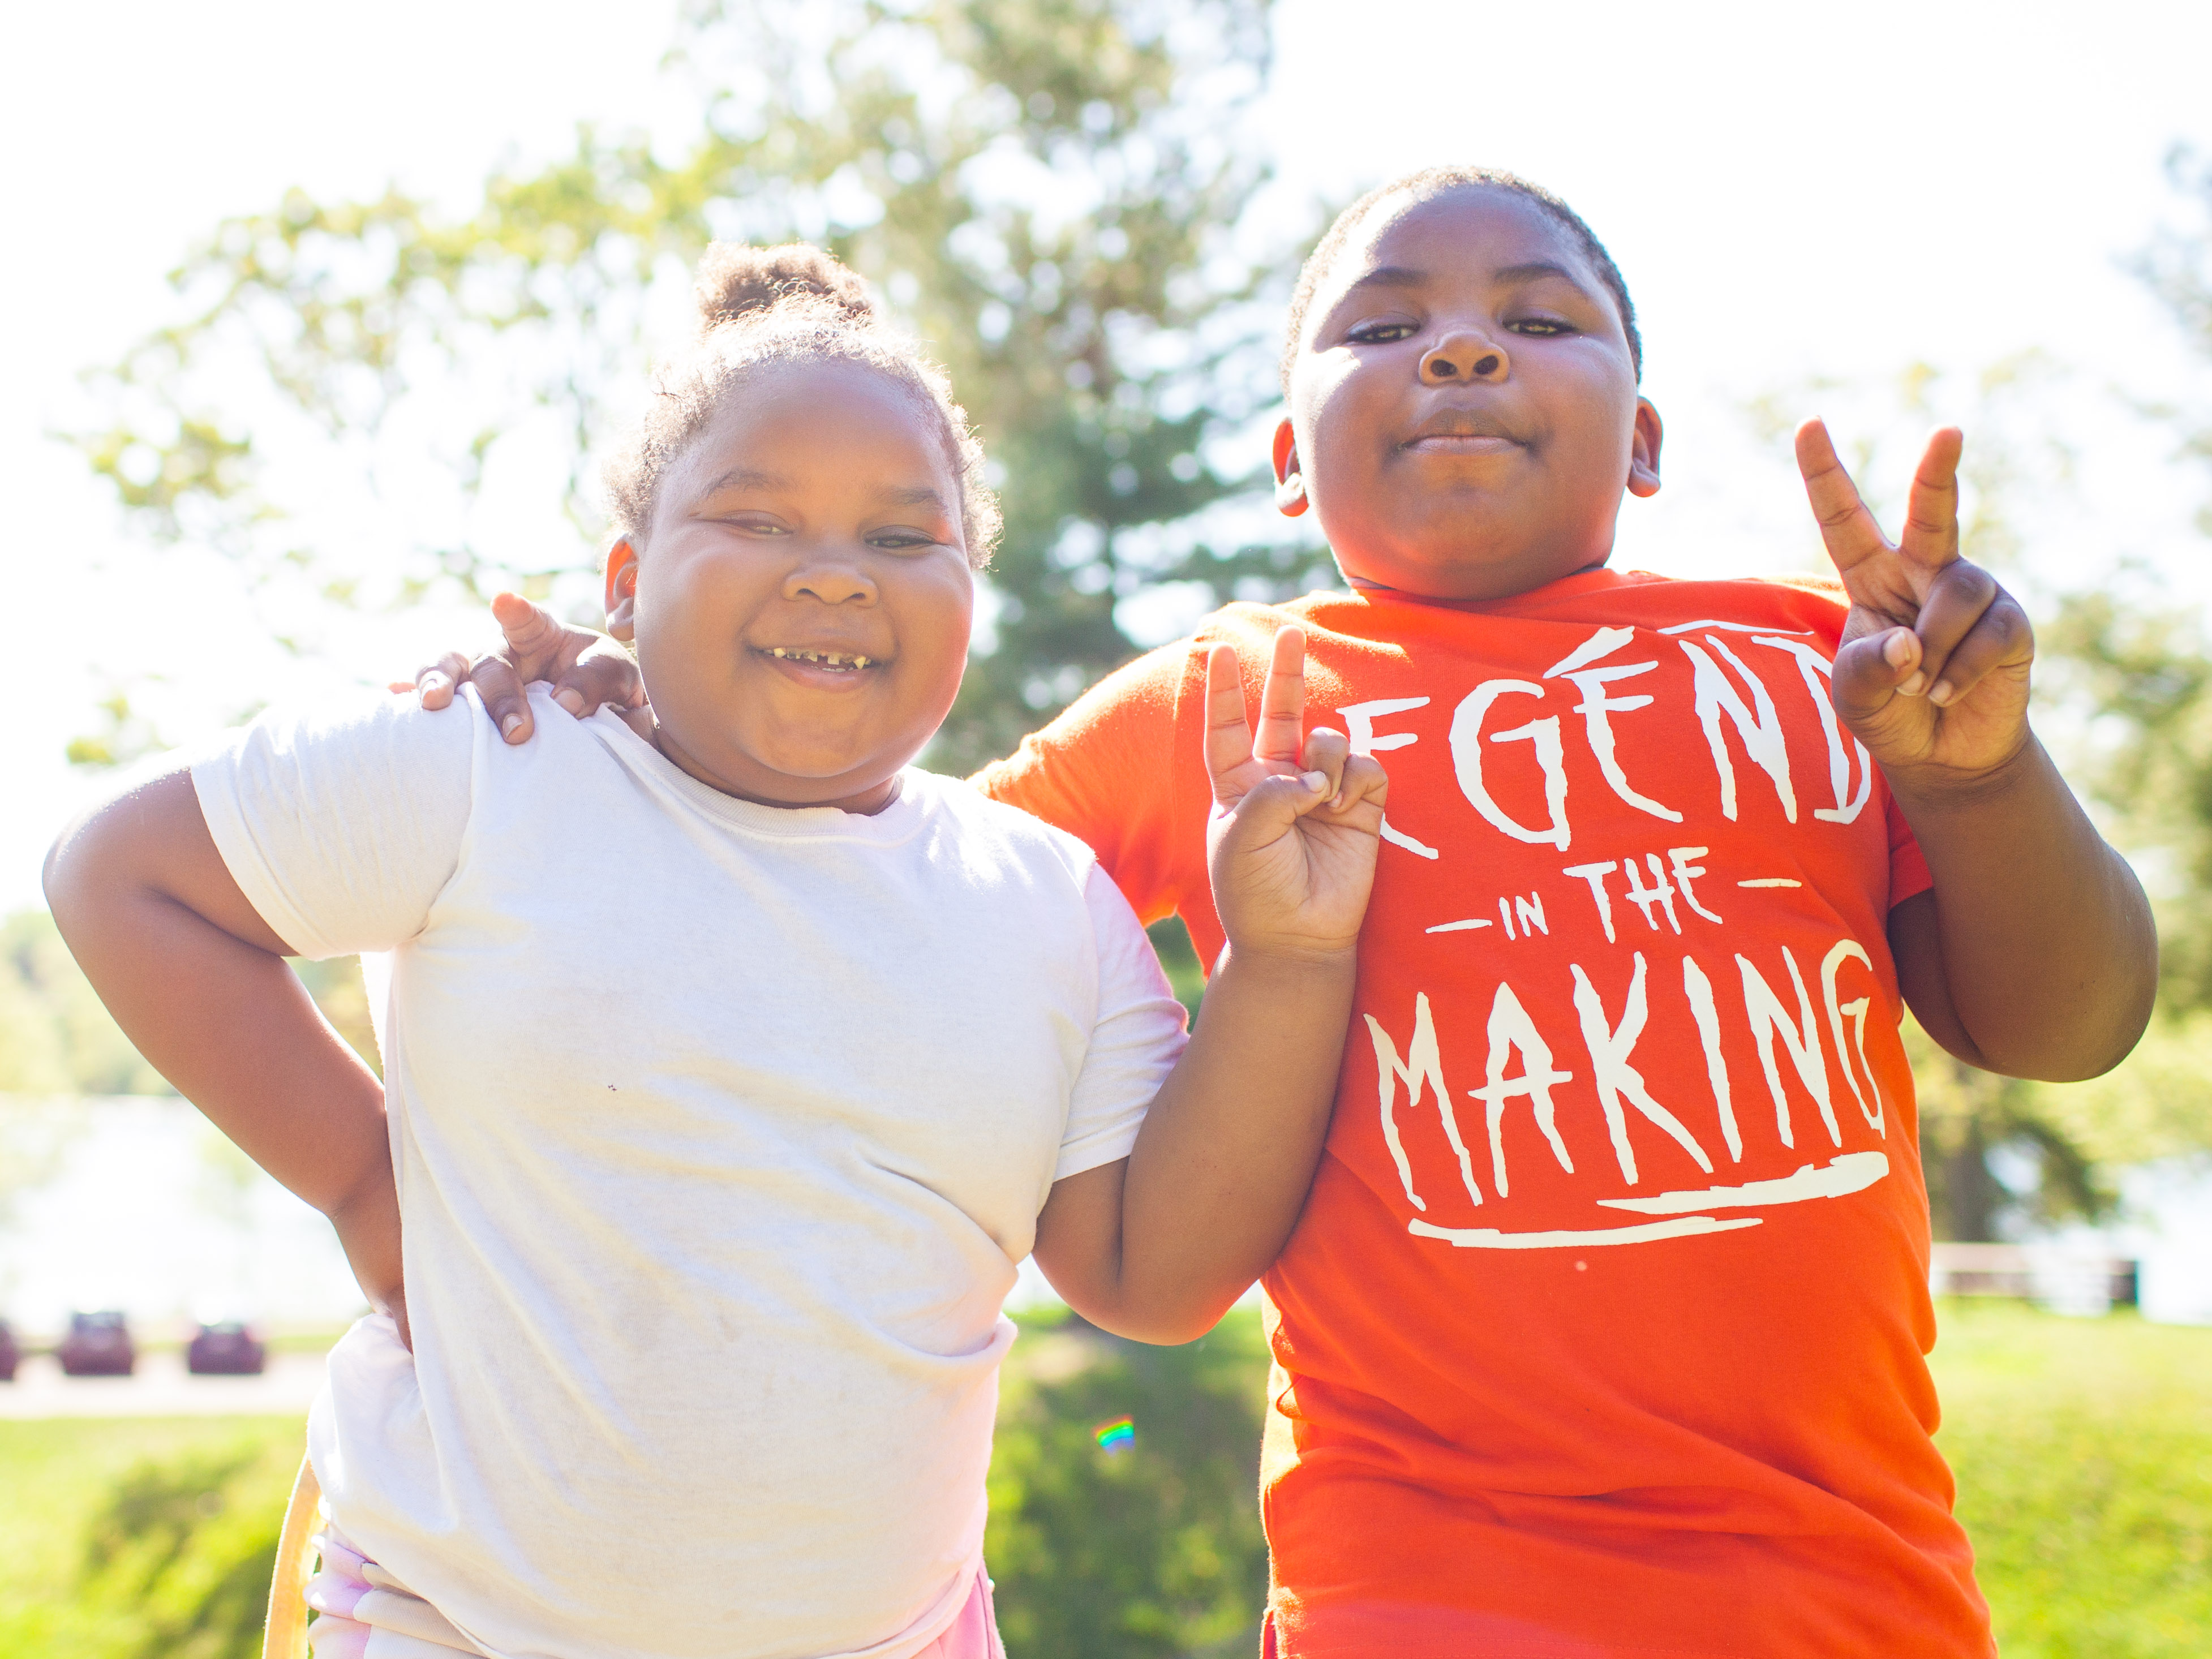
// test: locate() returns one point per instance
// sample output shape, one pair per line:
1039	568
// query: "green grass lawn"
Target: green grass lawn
2083	1450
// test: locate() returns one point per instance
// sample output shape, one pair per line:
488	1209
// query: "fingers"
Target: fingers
1931	511
2000	638
1847	529
505	698
433	686
1228	736
1959	595
599	678
1324	754
1283	698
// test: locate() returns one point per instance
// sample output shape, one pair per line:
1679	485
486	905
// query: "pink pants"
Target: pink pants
364	1612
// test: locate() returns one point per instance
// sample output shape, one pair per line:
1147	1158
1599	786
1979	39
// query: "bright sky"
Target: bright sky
1789	194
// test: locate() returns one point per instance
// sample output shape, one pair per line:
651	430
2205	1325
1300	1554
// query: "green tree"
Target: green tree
1052	193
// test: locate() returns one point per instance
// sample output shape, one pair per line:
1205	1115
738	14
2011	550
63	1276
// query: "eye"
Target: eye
756	524
903	540
1380	333
1541	328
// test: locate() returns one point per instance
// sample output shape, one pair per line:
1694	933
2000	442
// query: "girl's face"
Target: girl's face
802	608
1463	409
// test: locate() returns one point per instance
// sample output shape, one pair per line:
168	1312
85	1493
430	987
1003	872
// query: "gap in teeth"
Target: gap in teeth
823	658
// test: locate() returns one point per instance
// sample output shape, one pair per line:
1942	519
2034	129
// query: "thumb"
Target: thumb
1871	674
1271	809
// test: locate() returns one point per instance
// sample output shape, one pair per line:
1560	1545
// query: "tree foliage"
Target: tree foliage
1049	192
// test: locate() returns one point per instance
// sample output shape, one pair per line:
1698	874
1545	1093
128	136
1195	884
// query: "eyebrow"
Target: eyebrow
748	478
914	496
1407	276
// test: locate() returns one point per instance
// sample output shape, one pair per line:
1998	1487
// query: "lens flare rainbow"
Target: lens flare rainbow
1117	1436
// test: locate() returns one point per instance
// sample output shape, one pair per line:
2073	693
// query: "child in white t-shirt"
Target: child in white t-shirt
704	1257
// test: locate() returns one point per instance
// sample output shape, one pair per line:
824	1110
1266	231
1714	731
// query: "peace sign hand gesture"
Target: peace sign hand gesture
1933	670
1295	826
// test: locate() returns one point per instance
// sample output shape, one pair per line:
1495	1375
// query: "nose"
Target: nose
829	575
1464	354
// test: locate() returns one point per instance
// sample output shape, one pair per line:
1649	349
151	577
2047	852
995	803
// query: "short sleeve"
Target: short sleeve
1106	771
1909	875
341	825
1134	1042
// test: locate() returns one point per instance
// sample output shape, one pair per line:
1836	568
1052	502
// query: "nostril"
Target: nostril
1442	368
1488	365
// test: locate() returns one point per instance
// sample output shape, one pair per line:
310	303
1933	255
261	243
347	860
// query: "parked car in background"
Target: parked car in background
10	1353
226	1348
98	1344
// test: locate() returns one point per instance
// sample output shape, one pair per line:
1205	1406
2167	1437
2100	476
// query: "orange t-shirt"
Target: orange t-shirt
1604	1329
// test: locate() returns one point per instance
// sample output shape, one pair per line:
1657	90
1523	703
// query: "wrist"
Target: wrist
1288	957
1931	789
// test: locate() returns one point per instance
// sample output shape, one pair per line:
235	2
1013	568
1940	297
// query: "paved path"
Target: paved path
163	1388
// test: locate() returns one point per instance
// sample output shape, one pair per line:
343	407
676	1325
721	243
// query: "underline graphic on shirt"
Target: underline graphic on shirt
1771	881
1458	926
1853	1172
1490	1238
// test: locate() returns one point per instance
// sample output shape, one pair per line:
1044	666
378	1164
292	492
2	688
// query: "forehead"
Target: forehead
831	414
1466	233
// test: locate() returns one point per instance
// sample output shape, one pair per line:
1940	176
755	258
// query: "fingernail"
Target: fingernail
572	701
1911	687
1943	692
1315	781
1897	647
434	682
510	725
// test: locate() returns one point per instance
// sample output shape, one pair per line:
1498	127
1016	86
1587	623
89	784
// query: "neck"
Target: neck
865	802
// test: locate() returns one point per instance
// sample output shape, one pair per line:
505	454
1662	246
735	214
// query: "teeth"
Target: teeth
828	659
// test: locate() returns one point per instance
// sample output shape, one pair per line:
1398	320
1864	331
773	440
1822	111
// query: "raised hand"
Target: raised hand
587	670
1932	674
1297	817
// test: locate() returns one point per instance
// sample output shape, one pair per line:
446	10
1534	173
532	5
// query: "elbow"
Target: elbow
1157	1328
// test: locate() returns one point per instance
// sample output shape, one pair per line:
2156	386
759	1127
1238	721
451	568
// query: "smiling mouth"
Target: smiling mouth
841	662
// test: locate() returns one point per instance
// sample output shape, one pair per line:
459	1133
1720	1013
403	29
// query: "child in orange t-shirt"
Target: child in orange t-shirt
1604	1328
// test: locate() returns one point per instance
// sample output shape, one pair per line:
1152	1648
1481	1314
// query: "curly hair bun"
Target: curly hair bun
737	284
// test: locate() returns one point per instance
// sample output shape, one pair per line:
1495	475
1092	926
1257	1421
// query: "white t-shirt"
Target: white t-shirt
719	1130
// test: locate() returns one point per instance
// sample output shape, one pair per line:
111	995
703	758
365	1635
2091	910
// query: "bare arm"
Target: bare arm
198	982
2035	955
1158	1246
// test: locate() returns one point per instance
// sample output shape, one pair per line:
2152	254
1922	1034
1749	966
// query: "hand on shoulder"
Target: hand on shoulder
587	669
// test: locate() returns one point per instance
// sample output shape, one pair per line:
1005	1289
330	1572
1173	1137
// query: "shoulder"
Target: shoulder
1017	837
358	729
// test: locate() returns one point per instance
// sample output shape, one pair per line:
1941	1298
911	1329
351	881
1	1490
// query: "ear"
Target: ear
622	590
1290	483
1643	451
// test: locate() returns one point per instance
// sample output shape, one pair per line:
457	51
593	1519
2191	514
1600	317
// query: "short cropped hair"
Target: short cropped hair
1424	185
763	306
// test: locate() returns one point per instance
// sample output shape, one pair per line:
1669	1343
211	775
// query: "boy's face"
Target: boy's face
1463	409
816	517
